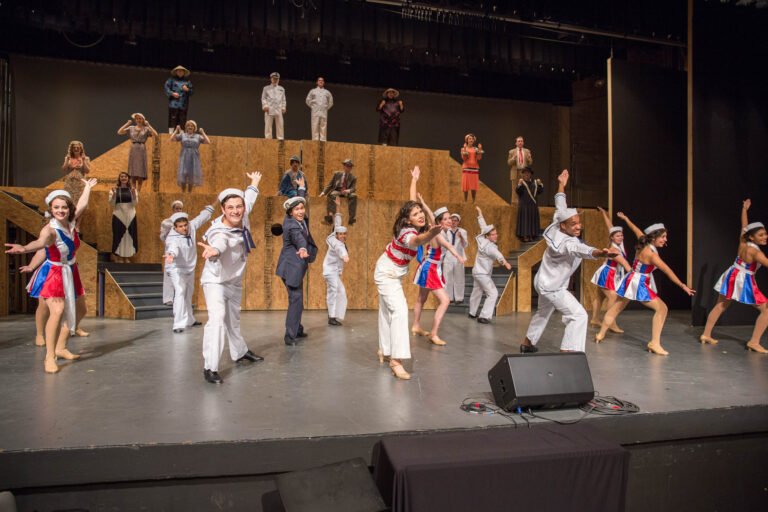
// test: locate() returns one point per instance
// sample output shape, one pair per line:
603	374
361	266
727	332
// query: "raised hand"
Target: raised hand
600	209
479	211
255	177
746	204
621	215
415	172
90	183
208	251
301	182
562	178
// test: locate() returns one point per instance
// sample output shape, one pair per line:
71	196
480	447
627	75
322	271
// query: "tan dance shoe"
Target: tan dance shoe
399	372
656	349
598	338
756	348
707	339
418	331
435	340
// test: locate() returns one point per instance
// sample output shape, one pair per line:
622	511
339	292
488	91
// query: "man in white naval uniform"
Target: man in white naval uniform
333	266
165	227
273	105
487	253
561	259
227	244
320	101
453	270
180	262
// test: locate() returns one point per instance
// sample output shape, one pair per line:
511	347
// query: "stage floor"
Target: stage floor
139	384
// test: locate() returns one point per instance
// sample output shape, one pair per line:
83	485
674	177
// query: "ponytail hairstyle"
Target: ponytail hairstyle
402	217
649	238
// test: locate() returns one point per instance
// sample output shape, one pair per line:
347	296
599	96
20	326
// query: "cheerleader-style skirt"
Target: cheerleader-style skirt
638	286
739	284
36	282
429	275
608	277
53	286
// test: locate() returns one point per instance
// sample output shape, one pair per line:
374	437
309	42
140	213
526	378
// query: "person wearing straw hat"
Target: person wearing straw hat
738	282
390	108
639	285
178	88
609	275
226	246
482	271
274	106
138	132
299	250
453	269
62	288
333	266
342	184
562	257
165	227
180	262
320	101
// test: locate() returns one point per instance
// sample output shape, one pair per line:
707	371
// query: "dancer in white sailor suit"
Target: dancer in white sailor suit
165	227
333	266
561	259
227	244
487	253
608	276
273	104
453	270
180	262
738	282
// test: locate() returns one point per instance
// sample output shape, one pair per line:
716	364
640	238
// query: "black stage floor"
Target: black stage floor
138	396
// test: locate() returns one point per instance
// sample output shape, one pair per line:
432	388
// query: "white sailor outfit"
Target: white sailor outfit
561	259
273	99
320	101
453	269
181	271
482	270
333	266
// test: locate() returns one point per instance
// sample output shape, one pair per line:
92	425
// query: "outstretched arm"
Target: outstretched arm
745	215
415	174
427	210
659	263
606	218
480	218
425	237
46	234
447	245
82	203
35	262
636	230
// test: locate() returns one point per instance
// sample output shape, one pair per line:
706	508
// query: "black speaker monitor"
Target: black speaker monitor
541	380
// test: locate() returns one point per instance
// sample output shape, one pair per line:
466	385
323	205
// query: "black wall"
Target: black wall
649	160
730	131
57	101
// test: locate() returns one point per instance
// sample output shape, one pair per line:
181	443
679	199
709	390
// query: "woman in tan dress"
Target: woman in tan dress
138	132
75	167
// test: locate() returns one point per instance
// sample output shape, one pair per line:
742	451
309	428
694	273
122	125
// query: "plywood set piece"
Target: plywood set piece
508	301
525	263
116	304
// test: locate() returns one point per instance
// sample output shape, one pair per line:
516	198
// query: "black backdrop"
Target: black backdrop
730	112
649	160
57	101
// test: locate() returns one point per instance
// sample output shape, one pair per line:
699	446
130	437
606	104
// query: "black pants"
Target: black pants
177	117
389	135
331	203
293	325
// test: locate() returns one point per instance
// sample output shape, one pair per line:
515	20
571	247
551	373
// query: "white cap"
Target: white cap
653	227
339	229
231	192
178	215
57	193
753	225
487	229
458	217
615	229
290	203
563	215
440	211
177	202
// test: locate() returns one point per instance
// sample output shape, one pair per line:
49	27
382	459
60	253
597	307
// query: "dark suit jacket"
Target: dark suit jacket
335	183
289	266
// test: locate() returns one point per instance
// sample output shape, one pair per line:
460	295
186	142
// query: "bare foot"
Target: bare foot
50	366
81	333
39	341
66	354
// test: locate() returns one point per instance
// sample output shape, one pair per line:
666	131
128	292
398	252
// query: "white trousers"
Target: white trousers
336	296
278	120
223	301
167	288
393	309
483	285
453	271
574	317
183	287
319	126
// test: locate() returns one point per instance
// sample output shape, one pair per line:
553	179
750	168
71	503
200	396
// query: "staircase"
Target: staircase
500	278
141	284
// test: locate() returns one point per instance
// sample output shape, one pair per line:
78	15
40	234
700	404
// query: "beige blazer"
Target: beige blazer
513	162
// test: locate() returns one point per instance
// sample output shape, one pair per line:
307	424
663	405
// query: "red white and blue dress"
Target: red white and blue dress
429	275
610	274
639	284
738	282
58	276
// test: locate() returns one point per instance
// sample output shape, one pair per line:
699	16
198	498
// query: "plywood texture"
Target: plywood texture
508	301
595	233
116	304
387	174
525	264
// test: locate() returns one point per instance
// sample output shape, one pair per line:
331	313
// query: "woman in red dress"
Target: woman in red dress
470	167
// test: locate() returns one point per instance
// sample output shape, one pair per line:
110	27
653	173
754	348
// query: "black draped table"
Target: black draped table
557	467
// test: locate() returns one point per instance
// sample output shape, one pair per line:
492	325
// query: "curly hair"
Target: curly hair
118	179
402	217
72	145
649	238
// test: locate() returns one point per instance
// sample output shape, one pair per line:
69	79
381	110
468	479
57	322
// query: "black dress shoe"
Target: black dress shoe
250	356
290	341
197	324
302	334
177	331
470	315
212	377
528	349
483	321
333	321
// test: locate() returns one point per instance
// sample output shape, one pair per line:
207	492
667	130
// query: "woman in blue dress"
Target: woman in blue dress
190	171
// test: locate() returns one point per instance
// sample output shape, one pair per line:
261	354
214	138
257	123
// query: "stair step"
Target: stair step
150	295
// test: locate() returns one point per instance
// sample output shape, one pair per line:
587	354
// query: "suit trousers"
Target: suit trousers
293	325
483	285
393	309
183	287
278	120
453	271
223	301
575	319
336	296
177	117
331	203
319	127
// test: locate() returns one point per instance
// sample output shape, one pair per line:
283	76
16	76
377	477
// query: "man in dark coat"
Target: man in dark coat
342	184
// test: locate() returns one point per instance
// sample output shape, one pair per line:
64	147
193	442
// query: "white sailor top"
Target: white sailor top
333	263
184	248
458	239
487	252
